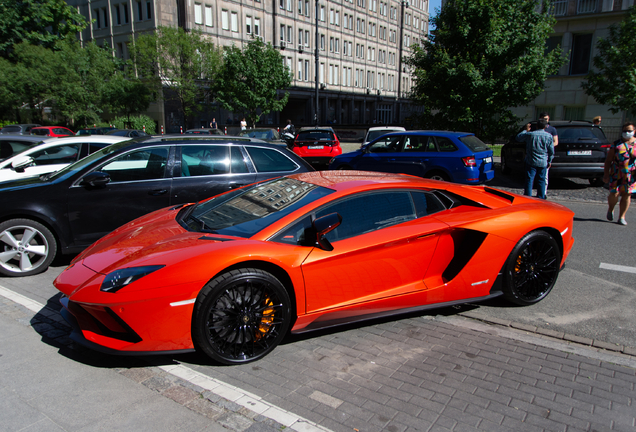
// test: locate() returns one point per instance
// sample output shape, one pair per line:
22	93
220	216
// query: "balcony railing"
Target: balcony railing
586	6
559	7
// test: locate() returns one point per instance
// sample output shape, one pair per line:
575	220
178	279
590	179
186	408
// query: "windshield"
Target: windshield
244	212
378	133
80	164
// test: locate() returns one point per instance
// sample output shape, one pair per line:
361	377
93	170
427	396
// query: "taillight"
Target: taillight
606	145
469	161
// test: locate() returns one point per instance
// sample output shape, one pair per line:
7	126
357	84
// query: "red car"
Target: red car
52	131
317	145
232	275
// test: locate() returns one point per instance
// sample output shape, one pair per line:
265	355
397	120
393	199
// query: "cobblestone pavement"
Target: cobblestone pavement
419	373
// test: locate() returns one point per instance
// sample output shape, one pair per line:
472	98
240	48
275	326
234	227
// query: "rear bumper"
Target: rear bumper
586	171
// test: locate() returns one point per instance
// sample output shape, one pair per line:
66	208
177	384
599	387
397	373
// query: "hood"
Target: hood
148	238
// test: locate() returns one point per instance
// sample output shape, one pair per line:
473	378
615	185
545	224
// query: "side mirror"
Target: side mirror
324	225
95	179
21	163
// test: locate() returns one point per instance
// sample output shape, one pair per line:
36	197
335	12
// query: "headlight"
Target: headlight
120	278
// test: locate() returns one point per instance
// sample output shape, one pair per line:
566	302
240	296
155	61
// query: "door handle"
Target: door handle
157	192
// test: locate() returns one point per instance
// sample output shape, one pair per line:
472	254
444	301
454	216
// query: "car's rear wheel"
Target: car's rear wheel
26	247
531	269
240	316
505	168
437	175
596	182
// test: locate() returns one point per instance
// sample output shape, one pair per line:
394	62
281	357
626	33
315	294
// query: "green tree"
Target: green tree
250	79
126	94
178	64
38	22
613	83
135	122
80	79
484	57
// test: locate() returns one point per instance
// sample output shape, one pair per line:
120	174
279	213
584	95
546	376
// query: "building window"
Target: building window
289	5
338	18
124	6
208	16
300	70
573	113
148	9
290	36
198	13
306	7
234	22
97	20
330	44
225	19
335	75
306	38
331	18
337	47
306	70
580	57
117	15
257	30
322	42
282	32
300	7
248	24
140	11
322	13
281	4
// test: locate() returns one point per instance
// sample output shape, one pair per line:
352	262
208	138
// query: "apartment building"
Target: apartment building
580	24
361	78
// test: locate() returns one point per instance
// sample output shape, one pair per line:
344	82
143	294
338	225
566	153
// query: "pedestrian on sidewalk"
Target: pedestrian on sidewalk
555	137
539	155
597	121
620	173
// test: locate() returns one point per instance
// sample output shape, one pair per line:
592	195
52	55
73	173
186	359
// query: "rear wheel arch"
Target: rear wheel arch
436	173
37	217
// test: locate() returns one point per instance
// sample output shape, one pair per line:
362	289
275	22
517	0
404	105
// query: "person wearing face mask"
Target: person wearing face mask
620	173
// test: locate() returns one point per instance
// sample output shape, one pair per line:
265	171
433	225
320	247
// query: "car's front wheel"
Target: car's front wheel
531	269
26	247
241	316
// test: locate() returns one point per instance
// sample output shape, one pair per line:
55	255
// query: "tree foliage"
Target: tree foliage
484	57
77	83
179	64
250	79
139	122
37	22
613	83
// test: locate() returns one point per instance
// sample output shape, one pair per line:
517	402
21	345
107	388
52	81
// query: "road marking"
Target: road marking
250	401
620	268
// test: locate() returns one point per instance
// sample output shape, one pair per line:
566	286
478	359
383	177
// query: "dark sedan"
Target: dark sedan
66	211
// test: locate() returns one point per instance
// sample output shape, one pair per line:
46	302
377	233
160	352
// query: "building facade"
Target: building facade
361	78
580	24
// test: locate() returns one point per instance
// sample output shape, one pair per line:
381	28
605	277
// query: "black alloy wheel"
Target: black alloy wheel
241	316
532	269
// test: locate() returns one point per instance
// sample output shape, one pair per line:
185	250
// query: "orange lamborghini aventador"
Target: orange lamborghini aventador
232	275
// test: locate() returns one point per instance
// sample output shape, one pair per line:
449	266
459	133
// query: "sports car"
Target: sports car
232	275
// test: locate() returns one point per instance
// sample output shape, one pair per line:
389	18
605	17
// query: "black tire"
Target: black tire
531	269
505	169
241	316
437	175
596	182
26	247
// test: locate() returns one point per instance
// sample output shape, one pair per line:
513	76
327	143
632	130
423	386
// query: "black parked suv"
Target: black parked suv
581	152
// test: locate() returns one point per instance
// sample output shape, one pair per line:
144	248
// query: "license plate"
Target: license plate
315	147
579	152
488	160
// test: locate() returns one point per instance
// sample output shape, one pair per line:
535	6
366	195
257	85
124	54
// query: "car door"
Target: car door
138	185
270	162
206	170
380	155
418	152
382	249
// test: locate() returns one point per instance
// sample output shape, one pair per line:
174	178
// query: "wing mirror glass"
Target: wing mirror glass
324	225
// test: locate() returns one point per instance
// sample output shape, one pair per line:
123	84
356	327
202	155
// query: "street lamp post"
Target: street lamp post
404	4
316	115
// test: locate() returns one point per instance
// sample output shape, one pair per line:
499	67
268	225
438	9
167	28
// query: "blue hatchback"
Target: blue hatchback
459	157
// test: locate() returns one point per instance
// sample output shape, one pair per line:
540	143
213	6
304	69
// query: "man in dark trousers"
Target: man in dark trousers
539	155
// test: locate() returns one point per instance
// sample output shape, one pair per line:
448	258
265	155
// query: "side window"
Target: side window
426	203
56	155
238	164
201	160
297	234
93	147
419	144
386	145
270	160
446	145
365	213
145	164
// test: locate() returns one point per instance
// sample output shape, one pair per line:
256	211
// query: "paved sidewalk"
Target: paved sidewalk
418	373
